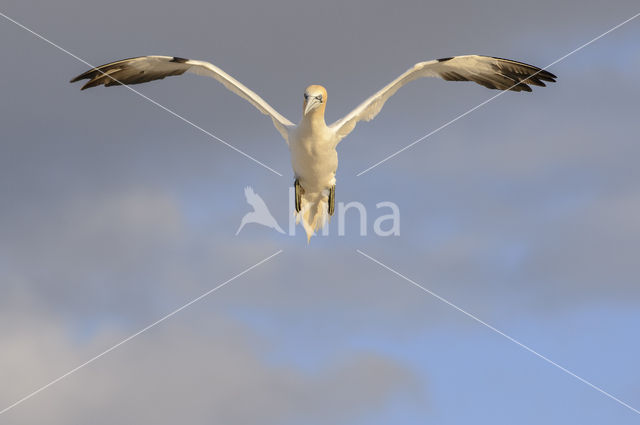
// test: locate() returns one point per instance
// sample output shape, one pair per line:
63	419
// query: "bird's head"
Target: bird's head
315	98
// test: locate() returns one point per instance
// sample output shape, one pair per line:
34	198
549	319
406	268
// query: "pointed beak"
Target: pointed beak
312	103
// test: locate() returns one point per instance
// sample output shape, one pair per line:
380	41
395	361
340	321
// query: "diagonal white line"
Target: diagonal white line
208	133
531	350
91	360
447	124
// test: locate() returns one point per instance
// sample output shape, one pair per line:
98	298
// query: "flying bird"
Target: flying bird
260	213
312	142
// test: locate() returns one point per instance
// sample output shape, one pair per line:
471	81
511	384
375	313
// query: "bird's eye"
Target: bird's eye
306	96
319	97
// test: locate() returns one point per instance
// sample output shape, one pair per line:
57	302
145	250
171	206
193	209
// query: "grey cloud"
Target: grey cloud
114	213
183	372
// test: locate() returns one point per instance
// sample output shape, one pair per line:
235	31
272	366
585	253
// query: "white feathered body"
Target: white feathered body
314	160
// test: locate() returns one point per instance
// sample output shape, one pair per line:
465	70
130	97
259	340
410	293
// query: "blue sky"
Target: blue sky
525	213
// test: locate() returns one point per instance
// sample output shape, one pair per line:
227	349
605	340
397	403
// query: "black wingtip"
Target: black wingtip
540	73
78	78
84	75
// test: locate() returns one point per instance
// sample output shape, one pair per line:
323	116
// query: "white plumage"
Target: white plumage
312	143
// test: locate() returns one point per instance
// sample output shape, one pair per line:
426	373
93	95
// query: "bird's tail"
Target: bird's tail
313	212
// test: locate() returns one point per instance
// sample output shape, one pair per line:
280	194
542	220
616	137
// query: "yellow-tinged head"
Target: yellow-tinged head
315	99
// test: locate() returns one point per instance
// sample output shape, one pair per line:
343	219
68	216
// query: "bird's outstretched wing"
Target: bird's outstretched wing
491	72
148	68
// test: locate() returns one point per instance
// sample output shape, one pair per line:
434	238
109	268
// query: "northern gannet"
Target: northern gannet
312	142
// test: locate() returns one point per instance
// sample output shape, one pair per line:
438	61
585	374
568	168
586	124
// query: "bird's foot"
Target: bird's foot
299	192
332	199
